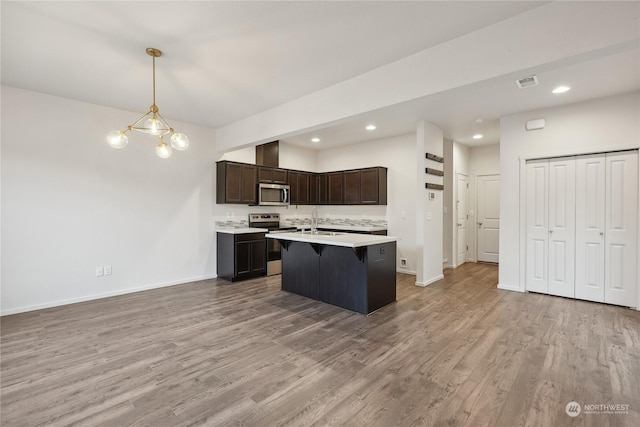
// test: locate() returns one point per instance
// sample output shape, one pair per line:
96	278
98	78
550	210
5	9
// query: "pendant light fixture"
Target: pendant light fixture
152	123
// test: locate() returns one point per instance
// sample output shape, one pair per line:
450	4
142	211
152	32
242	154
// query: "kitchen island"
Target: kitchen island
353	271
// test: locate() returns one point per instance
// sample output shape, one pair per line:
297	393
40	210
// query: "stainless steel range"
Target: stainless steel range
271	222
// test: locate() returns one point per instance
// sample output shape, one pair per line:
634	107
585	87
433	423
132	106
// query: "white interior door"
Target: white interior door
461	218
488	217
590	227
621	221
562	227
537	231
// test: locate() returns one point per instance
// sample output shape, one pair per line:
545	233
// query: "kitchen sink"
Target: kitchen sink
321	233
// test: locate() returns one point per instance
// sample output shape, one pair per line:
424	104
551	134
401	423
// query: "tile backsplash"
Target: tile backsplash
359	222
240	223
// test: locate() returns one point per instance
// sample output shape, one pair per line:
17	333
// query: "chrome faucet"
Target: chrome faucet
314	220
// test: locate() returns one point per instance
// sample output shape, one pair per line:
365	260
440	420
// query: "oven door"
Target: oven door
274	252
274	257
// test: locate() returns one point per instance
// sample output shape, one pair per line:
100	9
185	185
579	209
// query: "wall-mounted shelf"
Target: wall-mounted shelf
434	157
433	172
431	186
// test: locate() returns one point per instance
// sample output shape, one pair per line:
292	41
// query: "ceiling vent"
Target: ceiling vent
527	81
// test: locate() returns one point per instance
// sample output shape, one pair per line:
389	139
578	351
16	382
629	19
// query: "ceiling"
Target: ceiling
225	61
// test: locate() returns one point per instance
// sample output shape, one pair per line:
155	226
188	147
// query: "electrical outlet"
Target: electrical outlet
107	270
403	262
99	271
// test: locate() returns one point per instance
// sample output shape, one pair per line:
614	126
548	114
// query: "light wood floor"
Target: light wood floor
459	352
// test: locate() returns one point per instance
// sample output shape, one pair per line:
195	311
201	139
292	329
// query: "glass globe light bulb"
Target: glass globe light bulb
154	126
117	139
179	141
163	150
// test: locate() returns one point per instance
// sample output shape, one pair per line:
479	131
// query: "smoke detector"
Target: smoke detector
527	82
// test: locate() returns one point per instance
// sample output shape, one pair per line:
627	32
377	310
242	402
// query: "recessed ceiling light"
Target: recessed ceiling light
479	120
477	136
315	139
371	127
561	89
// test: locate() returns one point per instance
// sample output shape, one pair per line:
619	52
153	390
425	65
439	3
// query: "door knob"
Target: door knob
601	233
550	231
479	224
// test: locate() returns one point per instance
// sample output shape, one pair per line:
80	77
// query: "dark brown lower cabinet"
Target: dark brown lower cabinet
241	256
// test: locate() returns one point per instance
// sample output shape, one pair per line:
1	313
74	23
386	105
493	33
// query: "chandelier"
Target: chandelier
151	123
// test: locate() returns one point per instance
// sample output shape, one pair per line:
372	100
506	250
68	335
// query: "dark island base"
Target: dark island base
360	279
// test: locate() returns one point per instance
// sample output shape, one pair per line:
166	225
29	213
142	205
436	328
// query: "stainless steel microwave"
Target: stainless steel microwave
273	194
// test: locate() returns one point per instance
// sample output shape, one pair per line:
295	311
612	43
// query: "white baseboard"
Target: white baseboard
510	288
430	281
102	295
403	271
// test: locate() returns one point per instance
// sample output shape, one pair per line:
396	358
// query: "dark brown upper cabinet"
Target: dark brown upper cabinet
299	183
274	175
373	186
351	187
318	189
365	186
268	154
236	183
335	188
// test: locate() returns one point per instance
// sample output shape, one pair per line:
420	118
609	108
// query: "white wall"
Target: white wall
447	205
289	156
244	155
600	125
429	216
398	155
295	157
71	203
483	160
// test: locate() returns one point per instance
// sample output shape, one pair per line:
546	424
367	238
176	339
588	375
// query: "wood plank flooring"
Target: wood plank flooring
457	353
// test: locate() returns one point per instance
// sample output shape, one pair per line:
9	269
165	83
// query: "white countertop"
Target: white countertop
245	230
344	227
350	240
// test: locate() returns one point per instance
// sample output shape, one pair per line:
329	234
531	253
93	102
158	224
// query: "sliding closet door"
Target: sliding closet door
621	228
537	226
562	226
590	227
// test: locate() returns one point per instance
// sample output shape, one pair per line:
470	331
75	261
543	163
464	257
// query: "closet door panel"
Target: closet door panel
590	226
537	226
621	222
562	220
